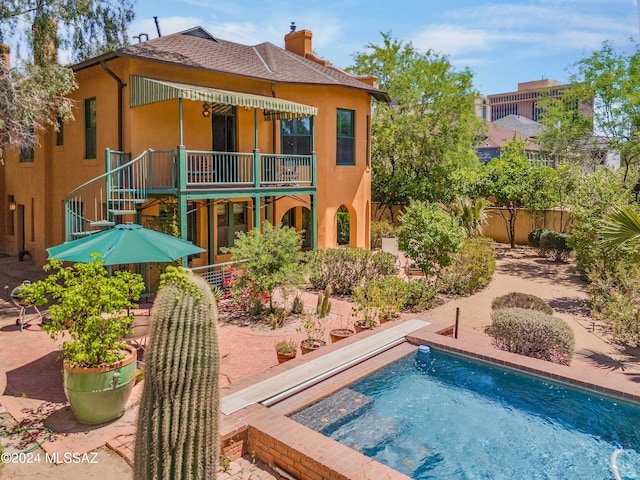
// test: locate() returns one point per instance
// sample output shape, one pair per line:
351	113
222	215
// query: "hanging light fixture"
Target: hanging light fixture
206	109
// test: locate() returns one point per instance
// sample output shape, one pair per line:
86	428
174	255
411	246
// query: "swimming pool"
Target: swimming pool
438	416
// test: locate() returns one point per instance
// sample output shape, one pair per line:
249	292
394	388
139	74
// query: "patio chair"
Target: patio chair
390	245
141	329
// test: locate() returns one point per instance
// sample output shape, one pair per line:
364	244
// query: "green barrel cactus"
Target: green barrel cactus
177	436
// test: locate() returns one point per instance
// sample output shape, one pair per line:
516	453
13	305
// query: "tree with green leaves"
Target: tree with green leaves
87	27
429	128
593	198
429	236
563	182
269	260
33	95
608	82
516	183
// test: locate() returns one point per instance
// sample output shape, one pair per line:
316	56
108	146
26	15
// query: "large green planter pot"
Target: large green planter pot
98	395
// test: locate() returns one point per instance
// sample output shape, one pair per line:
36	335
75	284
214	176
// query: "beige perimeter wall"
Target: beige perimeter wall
496	228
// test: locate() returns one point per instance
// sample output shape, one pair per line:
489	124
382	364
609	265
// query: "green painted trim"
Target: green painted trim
256	211
108	183
180	126
314	222
312	141
182	168
314	172
182	208
145	90
194	194
248	193
255	129
211	229
257	171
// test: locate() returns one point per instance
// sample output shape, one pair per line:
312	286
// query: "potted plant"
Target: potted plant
286	349
341	333
366	303
391	296
338	334
92	308
314	329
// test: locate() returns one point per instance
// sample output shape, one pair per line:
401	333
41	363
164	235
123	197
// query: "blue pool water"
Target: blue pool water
438	416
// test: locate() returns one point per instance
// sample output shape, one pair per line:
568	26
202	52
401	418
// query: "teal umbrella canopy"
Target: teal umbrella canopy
127	243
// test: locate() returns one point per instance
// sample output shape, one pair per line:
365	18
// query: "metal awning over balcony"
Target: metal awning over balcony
147	90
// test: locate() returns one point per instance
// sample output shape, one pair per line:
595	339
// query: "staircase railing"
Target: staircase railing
218	275
97	203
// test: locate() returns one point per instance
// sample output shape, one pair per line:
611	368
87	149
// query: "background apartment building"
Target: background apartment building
524	101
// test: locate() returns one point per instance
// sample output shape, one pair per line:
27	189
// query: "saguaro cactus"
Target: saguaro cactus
324	304
177	435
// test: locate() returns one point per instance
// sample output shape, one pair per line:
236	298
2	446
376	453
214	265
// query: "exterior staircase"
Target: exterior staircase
102	202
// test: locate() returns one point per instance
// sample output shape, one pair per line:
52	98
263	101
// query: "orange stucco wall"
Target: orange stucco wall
57	170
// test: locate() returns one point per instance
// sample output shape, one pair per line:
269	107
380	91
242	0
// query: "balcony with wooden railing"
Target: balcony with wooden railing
204	170
127	184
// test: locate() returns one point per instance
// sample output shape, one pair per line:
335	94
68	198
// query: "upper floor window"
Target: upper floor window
26	154
296	136
90	128
345	133
368	153
59	131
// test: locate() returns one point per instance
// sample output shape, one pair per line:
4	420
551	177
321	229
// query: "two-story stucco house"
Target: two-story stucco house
218	135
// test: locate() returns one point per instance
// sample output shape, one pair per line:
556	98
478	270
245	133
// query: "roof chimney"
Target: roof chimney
5	51
298	42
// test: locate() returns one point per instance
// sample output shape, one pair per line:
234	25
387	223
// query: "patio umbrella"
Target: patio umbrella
127	243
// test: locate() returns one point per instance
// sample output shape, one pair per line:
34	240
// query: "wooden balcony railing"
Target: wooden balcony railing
234	169
206	169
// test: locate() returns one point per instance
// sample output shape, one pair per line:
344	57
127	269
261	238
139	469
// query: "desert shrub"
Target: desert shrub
614	293
379	230
390	294
532	333
533	239
472	267
429	237
421	295
554	246
521	300
346	268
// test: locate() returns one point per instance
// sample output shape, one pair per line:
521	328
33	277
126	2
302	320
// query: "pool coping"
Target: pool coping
318	369
574	375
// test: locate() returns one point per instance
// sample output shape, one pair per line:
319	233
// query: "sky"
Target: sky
501	42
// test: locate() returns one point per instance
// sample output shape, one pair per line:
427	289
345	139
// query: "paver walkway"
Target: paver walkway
31	382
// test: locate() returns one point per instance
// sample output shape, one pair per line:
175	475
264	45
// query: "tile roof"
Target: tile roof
520	124
497	136
197	49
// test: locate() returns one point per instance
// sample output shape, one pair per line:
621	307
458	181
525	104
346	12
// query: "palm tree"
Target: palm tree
472	214
621	228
